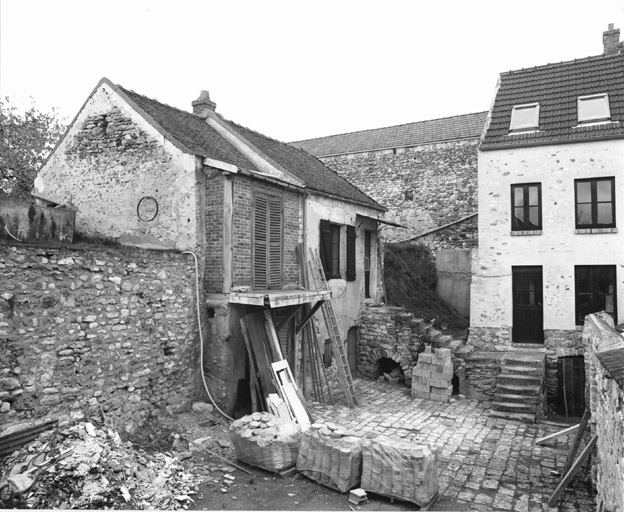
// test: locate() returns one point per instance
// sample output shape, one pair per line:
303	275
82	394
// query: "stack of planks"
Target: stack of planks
432	376
400	469
266	441
332	456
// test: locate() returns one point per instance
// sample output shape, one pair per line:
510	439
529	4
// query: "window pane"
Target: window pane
605	213
533	196
583	191
593	108
603	188
583	214
534	216
519	217
524	117
518	196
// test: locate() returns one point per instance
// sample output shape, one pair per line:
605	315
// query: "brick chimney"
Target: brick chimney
203	104
611	40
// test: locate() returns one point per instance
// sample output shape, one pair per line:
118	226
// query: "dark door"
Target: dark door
352	350
528	313
572	386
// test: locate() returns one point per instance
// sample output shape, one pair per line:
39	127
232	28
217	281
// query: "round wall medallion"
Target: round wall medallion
147	209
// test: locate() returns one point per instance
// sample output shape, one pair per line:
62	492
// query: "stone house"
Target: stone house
550	241
424	173
144	174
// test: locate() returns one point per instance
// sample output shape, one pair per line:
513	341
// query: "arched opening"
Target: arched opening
388	369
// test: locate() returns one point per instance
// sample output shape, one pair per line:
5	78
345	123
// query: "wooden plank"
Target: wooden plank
577	440
262	352
284	380
543	440
253	370
272	337
567	478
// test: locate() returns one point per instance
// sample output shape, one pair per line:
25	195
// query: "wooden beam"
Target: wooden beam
577	440
308	316
544	440
279	326
567	478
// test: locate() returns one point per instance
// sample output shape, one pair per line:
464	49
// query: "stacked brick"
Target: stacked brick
400	469
332	456
432	376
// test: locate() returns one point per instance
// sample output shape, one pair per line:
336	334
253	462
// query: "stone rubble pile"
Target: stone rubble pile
332	456
83	466
266	441
432	376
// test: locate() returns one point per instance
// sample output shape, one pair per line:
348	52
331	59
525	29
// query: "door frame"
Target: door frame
533	310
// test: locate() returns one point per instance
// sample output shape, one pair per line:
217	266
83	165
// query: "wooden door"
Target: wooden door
352	350
528	311
571	373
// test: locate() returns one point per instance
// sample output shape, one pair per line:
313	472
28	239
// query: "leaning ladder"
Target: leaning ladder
318	275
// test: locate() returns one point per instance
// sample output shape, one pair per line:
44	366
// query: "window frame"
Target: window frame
597	118
527	126
593	276
329	248
594	203
526	206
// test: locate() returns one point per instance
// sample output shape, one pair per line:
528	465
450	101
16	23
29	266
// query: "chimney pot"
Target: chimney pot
203	104
611	40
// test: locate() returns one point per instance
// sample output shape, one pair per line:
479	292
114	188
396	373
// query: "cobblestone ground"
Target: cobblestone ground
484	463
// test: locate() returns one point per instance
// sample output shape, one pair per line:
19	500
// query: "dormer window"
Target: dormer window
524	117
594	108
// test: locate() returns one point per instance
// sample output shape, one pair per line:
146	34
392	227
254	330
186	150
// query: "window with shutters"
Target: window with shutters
267	241
351	272
330	249
367	262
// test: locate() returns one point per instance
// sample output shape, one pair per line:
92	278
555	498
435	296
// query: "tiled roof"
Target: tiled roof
556	88
405	135
195	136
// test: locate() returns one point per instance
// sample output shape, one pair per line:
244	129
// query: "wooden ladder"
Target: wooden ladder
318	275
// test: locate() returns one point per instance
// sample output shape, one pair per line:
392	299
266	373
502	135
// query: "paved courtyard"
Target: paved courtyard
484	463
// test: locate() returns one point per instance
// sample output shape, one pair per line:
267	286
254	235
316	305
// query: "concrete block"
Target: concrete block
428	349
447	391
439	383
443	352
434	397
420	372
420	394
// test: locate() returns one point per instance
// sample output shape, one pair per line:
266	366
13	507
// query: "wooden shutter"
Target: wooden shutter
351	271
325	247
260	242
275	243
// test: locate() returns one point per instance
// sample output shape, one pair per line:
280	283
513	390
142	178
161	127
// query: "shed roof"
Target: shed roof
464	126
556	88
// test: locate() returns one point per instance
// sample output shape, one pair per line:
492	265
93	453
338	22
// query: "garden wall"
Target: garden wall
95	328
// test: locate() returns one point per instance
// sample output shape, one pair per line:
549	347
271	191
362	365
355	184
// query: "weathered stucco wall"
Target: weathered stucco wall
423	187
90	328
454	269
606	397
558	248
108	161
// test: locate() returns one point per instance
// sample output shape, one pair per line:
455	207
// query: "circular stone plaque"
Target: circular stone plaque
147	209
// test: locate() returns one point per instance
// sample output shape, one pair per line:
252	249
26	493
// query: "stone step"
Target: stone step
523	408
518	380
525	418
521	370
524	358
463	351
516	399
515	389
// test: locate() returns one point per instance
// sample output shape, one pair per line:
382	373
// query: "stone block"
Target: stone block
439	383
420	394
443	353
447	391
421	372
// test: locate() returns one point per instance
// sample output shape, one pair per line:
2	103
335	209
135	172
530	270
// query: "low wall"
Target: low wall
91	329
604	359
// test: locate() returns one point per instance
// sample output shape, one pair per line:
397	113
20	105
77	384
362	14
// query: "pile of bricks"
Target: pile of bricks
432	375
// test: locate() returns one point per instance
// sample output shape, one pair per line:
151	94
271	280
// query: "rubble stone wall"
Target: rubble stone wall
95	328
423	187
388	332
606	397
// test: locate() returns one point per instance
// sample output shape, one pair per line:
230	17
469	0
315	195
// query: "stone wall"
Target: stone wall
91	329
389	332
477	373
423	187
604	355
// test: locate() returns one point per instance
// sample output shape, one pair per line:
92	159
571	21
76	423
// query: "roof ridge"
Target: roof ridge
391	126
563	63
157	101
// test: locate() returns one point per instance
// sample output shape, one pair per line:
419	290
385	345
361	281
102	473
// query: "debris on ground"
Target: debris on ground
87	466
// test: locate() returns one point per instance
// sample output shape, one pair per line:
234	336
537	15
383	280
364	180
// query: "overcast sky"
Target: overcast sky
292	69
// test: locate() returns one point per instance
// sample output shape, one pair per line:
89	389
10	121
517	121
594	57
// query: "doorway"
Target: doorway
528	311
571	372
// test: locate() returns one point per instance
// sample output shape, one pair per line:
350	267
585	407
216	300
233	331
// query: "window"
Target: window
524	117
267	242
595	203
594	290
351	272
526	207
593	108
330	249
367	260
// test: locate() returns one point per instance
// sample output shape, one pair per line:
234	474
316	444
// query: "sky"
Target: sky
292	69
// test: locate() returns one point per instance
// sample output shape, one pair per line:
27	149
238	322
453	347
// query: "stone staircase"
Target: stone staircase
520	386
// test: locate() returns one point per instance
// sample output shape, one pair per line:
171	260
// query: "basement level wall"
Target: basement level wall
96	327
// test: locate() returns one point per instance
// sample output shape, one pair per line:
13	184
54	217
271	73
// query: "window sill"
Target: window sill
595	231
527	232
